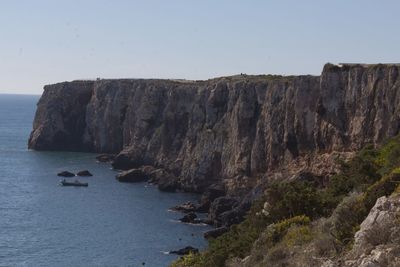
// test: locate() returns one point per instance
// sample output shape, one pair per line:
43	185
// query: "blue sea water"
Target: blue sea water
106	224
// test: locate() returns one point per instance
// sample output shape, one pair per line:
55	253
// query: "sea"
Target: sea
107	223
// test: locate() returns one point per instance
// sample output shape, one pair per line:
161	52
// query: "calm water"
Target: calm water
106	224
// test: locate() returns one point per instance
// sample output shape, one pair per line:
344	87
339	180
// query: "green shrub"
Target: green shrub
389	155
290	199
383	187
360	171
298	235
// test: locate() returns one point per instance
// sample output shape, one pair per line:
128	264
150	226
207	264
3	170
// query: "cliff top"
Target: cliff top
239	77
236	77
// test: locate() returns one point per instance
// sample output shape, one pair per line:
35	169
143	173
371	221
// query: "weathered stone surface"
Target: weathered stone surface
377	243
208	132
60	117
132	176
213	192
221	208
168	184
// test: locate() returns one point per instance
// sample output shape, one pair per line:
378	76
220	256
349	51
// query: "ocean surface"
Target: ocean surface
106	224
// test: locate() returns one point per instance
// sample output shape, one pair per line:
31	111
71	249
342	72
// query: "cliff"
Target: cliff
241	138
226	129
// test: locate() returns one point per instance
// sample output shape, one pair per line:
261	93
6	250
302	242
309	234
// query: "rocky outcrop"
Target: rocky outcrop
235	132
189	218
185	251
60	118
105	157
84	173
377	243
66	174
132	176
186	207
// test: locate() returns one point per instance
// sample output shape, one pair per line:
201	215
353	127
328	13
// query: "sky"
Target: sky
47	41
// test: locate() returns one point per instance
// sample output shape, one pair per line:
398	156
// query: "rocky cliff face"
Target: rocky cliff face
231	130
377	243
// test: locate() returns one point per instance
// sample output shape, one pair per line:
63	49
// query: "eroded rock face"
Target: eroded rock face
60	117
132	176
377	243
229	130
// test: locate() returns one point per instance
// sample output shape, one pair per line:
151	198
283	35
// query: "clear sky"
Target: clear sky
47	41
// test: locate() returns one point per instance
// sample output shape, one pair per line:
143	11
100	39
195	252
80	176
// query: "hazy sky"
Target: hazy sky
43	42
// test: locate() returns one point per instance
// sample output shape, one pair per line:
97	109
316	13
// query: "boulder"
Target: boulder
213	192
168	183
189	218
105	157
219	206
84	173
185	207
132	176
123	161
165	180
66	174
185	251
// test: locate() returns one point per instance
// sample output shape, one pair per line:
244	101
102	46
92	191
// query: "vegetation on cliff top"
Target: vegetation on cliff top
300	213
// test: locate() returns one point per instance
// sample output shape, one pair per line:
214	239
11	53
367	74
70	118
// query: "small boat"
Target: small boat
74	183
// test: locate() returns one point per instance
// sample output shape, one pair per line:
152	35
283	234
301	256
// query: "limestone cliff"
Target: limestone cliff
225	129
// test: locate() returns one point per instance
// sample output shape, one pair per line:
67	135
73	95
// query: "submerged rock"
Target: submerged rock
66	174
132	176
185	251
84	173
189	218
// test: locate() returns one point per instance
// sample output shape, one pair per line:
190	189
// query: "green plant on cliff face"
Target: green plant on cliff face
289	199
372	172
358	173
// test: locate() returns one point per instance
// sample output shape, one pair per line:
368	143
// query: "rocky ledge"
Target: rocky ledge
232	134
